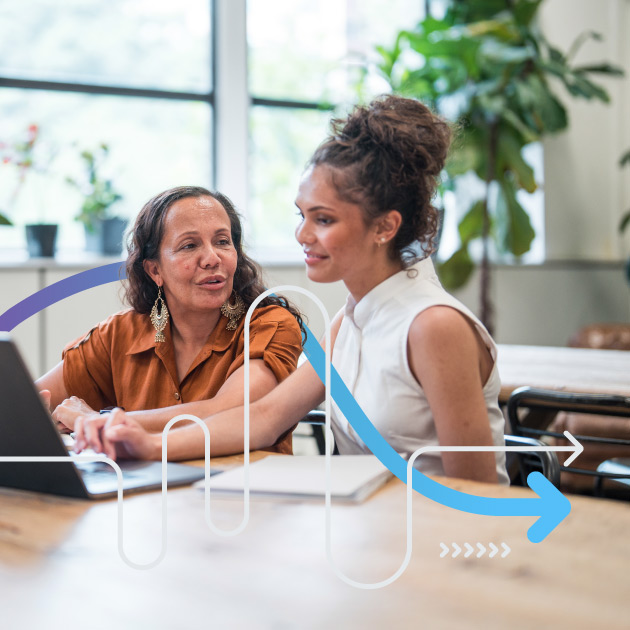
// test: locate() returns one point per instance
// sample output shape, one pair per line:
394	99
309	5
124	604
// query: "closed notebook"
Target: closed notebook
353	478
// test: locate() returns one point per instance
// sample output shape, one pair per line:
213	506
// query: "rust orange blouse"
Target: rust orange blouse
118	363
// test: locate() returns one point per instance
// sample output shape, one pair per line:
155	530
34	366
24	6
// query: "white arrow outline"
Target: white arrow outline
507	549
482	550
494	550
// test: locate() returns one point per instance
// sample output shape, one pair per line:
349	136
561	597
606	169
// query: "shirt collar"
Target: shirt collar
219	339
360	312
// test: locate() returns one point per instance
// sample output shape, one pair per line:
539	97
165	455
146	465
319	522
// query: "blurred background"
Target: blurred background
105	103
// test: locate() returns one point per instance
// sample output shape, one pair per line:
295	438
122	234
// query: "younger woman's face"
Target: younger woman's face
337	243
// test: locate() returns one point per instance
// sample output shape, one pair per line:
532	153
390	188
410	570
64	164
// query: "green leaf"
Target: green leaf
456	271
4	220
528	134
525	11
462	159
625	220
602	68
471	225
513	228
510	158
502	30
557	56
625	159
579	85
494	52
468	153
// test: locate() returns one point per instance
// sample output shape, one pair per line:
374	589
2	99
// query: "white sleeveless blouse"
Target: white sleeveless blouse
370	355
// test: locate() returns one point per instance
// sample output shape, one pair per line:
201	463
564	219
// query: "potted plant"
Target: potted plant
103	230
487	66
40	237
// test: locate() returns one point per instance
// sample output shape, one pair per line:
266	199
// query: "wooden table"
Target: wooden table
59	566
570	369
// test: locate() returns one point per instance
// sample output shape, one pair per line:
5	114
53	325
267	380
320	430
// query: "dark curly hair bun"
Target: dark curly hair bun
388	155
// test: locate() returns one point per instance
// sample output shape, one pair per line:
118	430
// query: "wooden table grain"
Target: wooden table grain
59	566
568	369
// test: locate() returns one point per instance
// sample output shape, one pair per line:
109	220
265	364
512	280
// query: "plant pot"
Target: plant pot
113	232
41	239
106	236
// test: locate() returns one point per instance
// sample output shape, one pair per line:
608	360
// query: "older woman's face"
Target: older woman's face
197	259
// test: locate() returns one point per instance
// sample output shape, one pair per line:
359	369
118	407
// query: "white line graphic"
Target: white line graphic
577	448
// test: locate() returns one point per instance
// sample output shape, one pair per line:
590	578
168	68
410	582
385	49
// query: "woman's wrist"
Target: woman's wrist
156	446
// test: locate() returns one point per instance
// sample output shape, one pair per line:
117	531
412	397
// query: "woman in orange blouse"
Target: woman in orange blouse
179	349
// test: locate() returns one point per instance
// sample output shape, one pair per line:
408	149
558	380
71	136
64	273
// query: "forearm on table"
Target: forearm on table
270	417
154	420
227	434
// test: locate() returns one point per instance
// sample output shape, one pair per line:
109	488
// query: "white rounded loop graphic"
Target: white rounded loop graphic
329	442
246	426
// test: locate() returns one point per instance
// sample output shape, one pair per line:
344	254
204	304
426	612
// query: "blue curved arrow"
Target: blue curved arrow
551	506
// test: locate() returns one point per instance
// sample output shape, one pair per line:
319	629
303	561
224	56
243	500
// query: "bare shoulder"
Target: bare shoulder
441	327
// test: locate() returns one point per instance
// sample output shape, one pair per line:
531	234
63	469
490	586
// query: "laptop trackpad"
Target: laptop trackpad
101	479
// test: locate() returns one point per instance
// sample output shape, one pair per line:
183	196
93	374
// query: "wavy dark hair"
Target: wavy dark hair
385	156
143	243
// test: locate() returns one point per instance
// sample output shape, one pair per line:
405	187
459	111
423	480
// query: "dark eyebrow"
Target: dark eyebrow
315	208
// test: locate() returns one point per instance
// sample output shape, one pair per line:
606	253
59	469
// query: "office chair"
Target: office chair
551	402
317	421
545	462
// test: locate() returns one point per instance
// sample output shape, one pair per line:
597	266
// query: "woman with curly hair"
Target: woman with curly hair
420	364
180	347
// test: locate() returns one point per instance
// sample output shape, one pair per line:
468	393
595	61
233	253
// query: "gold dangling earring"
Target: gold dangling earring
160	320
233	312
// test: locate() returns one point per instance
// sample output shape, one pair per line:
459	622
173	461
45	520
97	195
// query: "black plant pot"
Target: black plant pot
41	239
113	231
106	236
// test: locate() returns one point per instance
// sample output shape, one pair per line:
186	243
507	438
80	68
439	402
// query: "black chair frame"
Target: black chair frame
550	400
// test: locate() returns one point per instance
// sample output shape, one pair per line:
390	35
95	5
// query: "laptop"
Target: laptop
27	429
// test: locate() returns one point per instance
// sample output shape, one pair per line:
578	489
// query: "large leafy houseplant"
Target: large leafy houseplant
487	65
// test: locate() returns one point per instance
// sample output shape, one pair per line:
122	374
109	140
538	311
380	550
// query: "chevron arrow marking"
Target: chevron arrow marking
469	550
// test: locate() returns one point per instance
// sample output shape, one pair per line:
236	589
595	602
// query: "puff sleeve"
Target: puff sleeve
275	337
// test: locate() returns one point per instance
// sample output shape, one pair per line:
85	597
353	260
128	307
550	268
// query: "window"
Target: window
305	59
133	74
